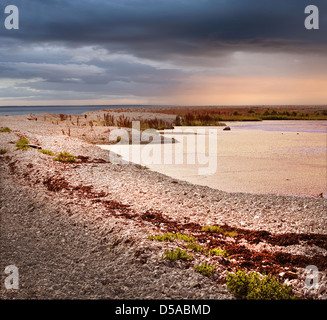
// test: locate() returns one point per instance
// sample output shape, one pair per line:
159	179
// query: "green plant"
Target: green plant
22	144
171	237
184	237
195	247
255	286
162	237
231	233
205	269
47	152
6	129
177	254
65	157
3	151
218	252
219	229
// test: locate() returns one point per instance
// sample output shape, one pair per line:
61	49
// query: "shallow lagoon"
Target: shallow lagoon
280	157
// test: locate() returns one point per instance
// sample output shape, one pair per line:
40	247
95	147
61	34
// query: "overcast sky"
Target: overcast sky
186	52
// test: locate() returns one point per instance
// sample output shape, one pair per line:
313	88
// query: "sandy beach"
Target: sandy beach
80	230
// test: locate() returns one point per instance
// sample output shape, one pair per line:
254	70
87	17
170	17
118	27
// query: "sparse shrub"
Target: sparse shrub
177	254
219	229
195	247
65	157
5	129
216	229
3	151
22	144
184	237
205	269
254	286
162	237
218	252
198	119
63	117
171	237
47	152
231	233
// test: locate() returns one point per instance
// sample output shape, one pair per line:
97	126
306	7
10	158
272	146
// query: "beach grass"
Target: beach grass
126	122
216	116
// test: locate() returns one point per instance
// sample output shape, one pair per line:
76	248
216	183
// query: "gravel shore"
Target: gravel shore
80	230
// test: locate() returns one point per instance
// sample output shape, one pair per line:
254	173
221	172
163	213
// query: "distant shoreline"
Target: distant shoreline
80	109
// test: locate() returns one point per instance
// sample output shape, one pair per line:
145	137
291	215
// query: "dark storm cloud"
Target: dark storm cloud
98	49
151	29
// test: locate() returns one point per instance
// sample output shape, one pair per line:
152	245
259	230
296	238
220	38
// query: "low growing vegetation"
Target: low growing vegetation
126	122
3	151
171	237
47	152
177	254
5	129
195	119
212	116
251	286
22	144
65	157
220	229
255	286
205	269
218	252
195	247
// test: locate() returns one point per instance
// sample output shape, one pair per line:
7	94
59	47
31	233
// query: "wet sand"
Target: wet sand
285	160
